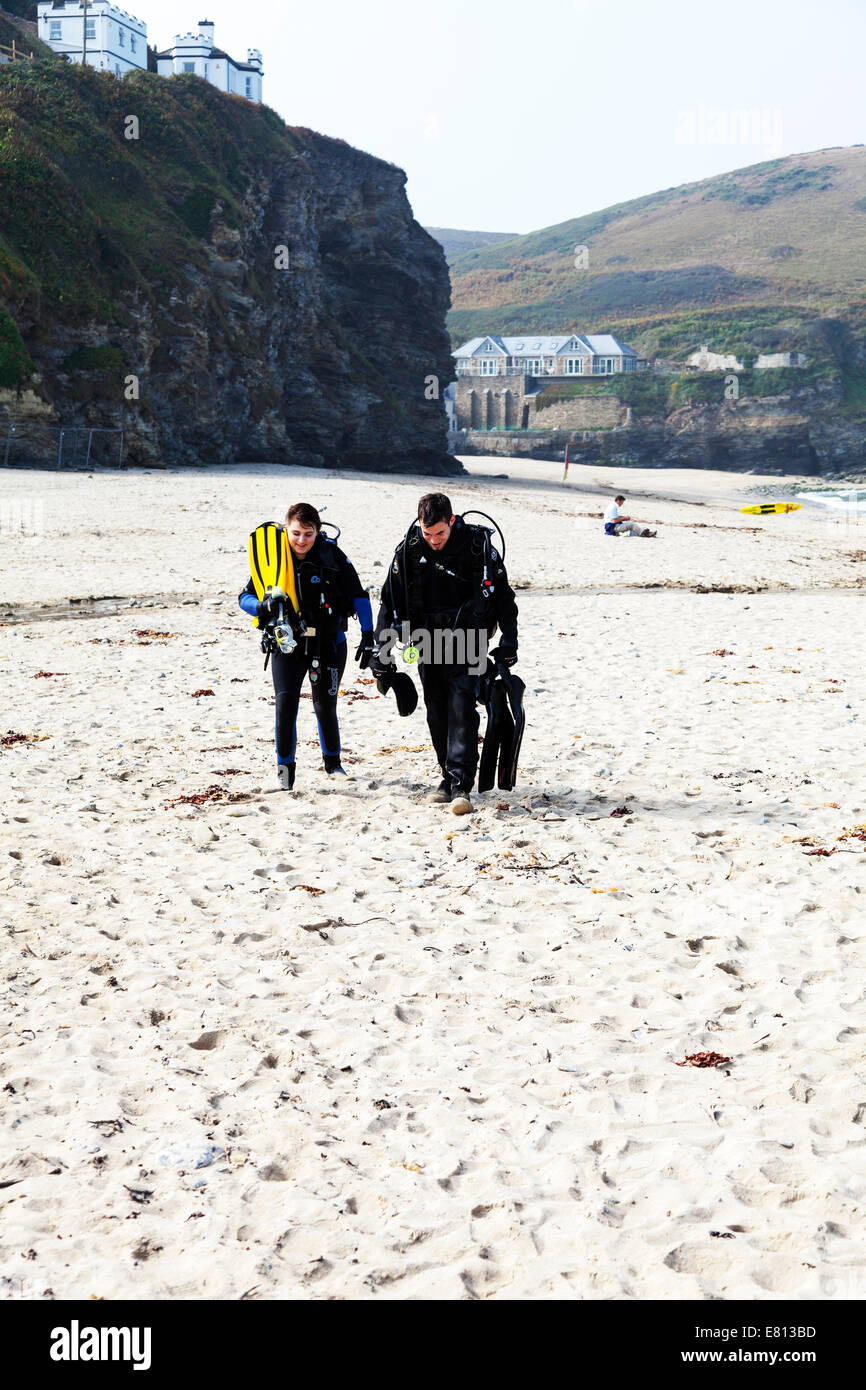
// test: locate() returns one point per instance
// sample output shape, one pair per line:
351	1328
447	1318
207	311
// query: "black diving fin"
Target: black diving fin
506	721
513	737
494	699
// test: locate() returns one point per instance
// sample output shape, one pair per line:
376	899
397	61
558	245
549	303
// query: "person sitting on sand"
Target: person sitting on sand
615	524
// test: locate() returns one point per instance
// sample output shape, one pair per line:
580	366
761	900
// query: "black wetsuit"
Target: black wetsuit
444	594
324	570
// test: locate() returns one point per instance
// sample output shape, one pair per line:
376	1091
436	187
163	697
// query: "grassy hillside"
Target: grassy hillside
85	209
770	257
456	244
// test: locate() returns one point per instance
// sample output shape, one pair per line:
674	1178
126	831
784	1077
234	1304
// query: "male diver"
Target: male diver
319	590
448	583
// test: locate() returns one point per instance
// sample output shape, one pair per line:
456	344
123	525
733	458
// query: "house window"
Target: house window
488	366
121	40
605	365
91	28
132	43
574	366
532	366
189	67
249	86
55	31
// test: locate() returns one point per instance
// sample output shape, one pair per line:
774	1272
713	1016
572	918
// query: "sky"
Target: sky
512	115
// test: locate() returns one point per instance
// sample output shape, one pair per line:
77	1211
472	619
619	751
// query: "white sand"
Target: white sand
452	1073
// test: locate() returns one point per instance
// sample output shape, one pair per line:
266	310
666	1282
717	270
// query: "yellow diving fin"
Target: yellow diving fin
270	565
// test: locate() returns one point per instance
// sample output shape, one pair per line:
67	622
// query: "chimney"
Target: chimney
206	28
254	57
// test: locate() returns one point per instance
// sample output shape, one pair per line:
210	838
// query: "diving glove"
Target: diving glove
505	654
365	651
269	608
378	667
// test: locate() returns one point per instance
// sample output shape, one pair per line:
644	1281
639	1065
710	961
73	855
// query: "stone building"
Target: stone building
499	380
564	355
707	361
766	360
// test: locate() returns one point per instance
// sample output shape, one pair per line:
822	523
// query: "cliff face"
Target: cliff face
268	288
806	433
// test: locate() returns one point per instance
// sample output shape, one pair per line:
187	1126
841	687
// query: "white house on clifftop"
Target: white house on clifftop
196	53
116	42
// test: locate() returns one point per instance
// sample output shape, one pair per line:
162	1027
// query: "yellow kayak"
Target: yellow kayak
768	507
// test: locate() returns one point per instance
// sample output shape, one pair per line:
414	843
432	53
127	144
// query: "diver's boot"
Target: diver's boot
286	774
442	794
332	765
461	805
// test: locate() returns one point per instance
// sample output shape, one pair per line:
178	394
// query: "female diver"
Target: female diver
323	590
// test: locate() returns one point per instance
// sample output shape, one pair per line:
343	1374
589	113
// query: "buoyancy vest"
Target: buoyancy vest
322	600
464	601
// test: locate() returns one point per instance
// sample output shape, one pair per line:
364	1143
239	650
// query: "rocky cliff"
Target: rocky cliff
183	265
772	435
782	422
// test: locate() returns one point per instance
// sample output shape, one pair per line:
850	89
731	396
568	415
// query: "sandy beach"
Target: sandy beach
341	1044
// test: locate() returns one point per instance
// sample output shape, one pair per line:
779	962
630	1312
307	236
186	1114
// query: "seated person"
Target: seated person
615	524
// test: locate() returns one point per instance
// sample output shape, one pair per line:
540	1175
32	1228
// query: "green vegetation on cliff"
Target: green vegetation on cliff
15	364
654	392
86	209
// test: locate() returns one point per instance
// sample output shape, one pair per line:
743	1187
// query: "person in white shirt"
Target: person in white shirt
615	524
